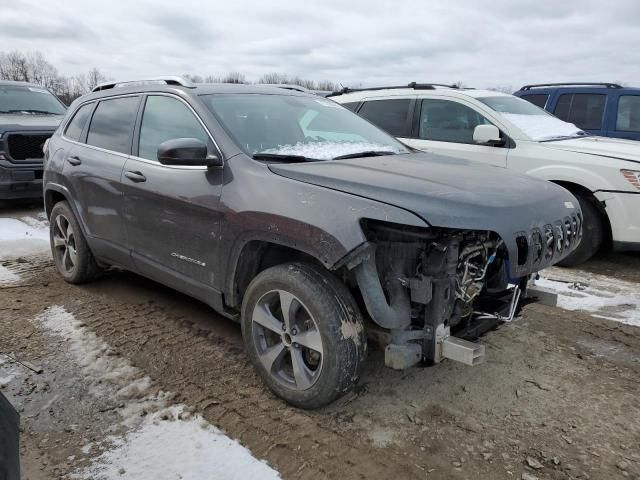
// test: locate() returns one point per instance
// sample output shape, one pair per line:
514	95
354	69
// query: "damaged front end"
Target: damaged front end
433	290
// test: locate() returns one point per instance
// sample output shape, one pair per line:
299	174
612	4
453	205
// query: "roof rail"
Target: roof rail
571	84
168	80
414	85
286	86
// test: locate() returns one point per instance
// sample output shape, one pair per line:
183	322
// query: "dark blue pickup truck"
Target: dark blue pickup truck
604	109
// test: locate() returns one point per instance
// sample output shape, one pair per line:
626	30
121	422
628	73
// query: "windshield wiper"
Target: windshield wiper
283	157
368	153
566	137
30	110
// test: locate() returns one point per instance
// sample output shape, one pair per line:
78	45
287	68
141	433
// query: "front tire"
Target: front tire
592	233
69	248
303	333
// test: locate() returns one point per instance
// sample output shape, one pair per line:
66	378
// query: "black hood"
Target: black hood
445	191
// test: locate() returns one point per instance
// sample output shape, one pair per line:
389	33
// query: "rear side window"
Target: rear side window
351	106
448	121
166	118
584	110
76	125
389	115
112	124
628	118
539	99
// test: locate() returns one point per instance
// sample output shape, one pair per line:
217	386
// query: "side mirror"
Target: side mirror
186	151
487	135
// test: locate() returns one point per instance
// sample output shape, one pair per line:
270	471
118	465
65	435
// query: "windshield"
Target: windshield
20	99
287	125
536	123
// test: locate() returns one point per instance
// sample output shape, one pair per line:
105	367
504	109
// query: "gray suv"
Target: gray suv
299	219
29	114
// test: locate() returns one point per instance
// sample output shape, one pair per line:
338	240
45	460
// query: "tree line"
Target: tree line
33	67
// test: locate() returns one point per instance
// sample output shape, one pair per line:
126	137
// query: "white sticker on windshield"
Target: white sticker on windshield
38	90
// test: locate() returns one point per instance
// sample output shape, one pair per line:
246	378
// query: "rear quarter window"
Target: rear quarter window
351	106
76	125
628	116
390	115
112	124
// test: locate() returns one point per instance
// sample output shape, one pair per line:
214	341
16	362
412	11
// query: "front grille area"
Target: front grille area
543	246
25	146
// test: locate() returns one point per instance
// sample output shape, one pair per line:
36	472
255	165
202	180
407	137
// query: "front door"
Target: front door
93	169
445	127
172	213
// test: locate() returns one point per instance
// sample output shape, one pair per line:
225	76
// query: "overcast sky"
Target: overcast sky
481	43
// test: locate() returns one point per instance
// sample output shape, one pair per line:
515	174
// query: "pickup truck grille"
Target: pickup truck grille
24	147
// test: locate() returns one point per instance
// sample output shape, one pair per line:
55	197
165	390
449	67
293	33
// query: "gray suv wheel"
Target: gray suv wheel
303	333
69	248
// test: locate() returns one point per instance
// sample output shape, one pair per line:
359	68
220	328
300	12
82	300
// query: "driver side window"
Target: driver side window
166	118
448	121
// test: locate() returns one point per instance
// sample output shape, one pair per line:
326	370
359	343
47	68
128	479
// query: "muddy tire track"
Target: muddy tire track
555	374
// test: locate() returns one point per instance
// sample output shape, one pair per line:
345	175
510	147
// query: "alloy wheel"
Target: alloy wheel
64	243
287	339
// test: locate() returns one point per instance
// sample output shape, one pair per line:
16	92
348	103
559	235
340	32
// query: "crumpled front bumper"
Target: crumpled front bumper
544	245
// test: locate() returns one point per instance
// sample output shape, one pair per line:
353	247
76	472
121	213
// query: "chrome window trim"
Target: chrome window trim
134	157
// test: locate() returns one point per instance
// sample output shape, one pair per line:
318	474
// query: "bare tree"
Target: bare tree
502	88
94	77
234	77
273	78
327	85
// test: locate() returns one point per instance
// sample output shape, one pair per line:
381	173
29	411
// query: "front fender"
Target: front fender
587	178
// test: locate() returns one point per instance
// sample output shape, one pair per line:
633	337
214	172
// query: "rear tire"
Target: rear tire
69	248
592	233
313	356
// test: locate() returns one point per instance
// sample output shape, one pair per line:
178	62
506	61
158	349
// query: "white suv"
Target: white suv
506	131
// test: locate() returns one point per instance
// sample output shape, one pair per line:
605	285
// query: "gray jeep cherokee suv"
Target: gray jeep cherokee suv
294	216
29	114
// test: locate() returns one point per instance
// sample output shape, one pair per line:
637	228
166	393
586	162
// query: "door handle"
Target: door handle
135	176
74	160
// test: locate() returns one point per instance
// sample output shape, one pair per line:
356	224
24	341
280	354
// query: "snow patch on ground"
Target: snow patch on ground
17	237
7	371
161	442
602	296
175	447
101	367
7	277
329	150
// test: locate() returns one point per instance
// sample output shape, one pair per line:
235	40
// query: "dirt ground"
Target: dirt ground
557	397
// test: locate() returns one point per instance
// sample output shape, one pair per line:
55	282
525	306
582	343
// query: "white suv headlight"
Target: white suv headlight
633	176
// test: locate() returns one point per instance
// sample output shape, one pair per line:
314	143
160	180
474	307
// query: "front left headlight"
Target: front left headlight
633	176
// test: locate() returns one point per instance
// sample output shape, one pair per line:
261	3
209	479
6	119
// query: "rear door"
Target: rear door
93	169
172	213
586	110
445	126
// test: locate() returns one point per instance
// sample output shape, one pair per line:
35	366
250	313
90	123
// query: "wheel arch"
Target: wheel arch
256	255
55	193
585	192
